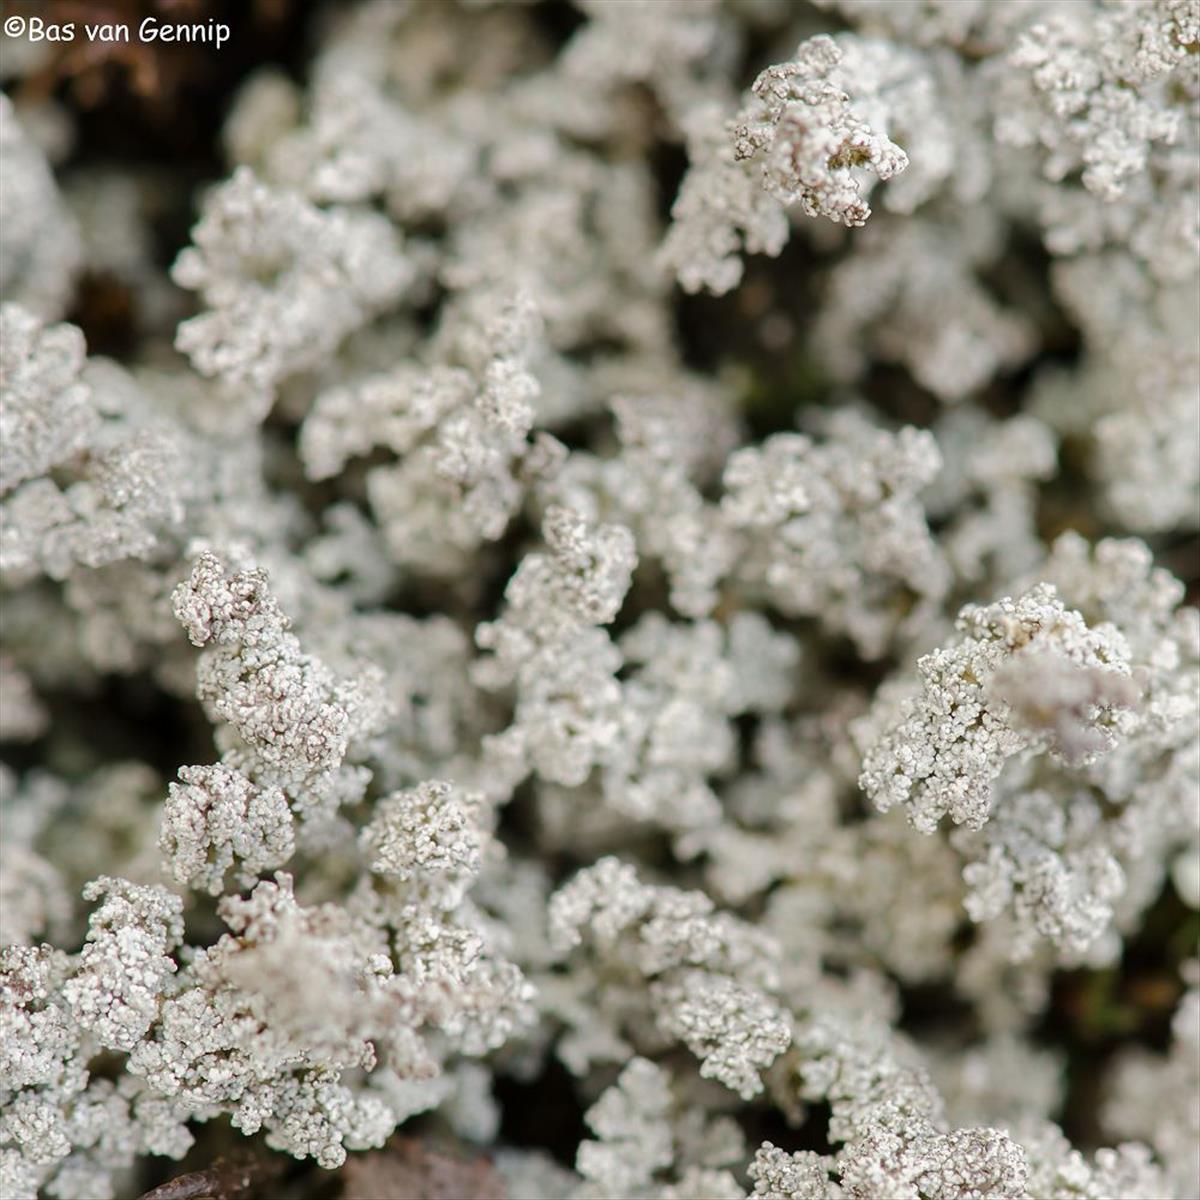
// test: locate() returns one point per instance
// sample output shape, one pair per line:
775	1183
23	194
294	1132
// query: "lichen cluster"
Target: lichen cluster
425	674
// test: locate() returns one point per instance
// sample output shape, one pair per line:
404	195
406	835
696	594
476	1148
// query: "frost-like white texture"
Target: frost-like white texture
88	473
801	127
549	644
670	447
988	492
1069	852
283	281
669	45
425	831
1135	404
580	582
686	684
215	817
290	719
61	1130
891	1119
1004	1080
936	22
669	927
799	1176
1146	450
322	982
1049	865
801	138
125	964
543	619
722	1011
734	1030
208	1048
1152	776
1025	676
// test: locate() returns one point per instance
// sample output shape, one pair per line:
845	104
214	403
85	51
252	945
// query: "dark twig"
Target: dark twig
226	1179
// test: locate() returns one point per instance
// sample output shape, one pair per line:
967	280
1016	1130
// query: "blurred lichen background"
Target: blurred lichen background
597	599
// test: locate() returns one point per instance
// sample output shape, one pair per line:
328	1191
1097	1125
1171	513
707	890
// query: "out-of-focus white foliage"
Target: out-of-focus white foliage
89	474
48	417
1084	89
39	246
650	1143
463	435
1143	1082
547	670
709	974
909	293
834	530
282	281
